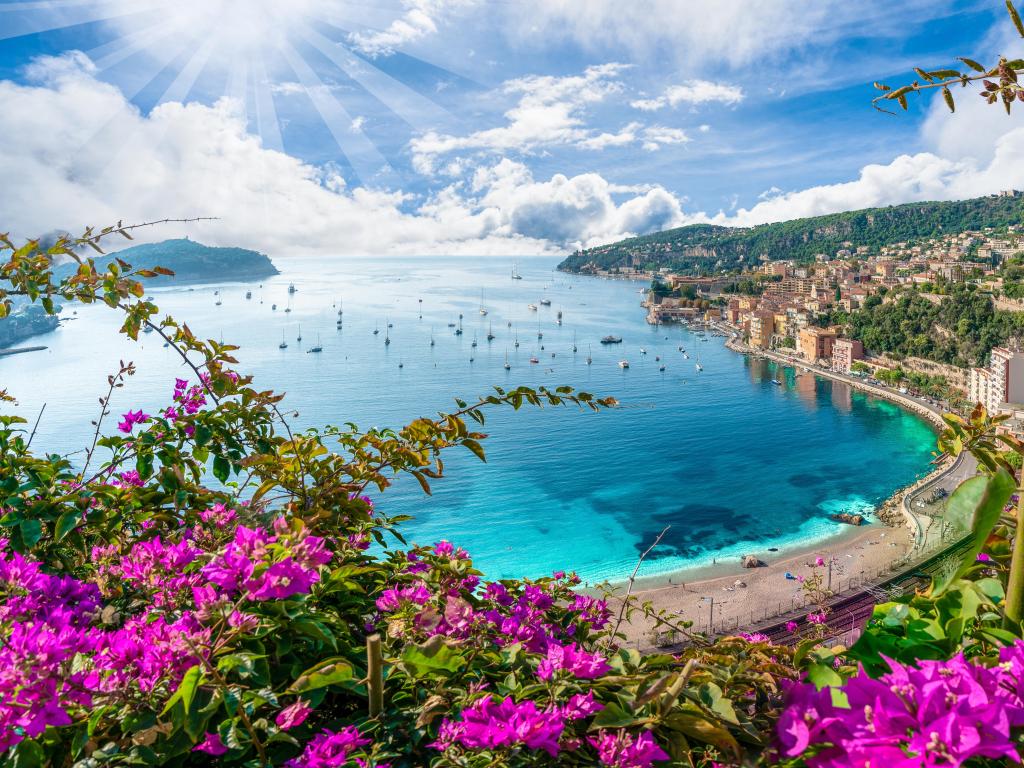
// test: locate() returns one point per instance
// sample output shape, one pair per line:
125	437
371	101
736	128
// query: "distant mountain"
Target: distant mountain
193	262
707	248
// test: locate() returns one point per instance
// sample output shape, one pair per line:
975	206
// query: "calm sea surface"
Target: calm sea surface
731	461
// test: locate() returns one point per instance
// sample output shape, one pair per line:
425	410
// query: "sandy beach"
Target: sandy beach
862	556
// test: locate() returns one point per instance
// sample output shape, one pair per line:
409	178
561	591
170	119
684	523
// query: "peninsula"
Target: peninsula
194	262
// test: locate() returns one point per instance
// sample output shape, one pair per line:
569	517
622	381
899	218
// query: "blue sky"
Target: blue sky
465	126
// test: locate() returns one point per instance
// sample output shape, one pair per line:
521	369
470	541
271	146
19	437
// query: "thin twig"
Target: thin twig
35	427
632	580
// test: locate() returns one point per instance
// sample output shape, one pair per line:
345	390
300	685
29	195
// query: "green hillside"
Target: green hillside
706	248
194	262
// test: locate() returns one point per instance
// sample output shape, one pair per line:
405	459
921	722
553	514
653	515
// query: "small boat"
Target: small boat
545	302
248	294
490	333
474	342
431	335
685	356
451	325
316	349
590	357
219	302
387	340
273	307
286	309
534	359
611	340
623	364
552	354
299	338
643	351
559	315
657	358
661	368
699	367
574	341
532	307
508	367
216	293
401	364
540	335
376	330
515	272
483	310
391	325
291	288
776	382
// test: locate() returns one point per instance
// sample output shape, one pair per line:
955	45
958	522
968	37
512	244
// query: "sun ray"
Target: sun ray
411	106
48	18
366	160
266	114
182	85
110	54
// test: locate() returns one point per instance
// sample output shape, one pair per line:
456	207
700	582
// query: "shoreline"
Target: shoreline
892	540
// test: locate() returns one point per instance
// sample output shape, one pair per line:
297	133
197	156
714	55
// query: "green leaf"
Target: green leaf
328	672
186	690
66	523
980	501
432	657
613	716
1015	17
221	468
823	675
31	532
972	64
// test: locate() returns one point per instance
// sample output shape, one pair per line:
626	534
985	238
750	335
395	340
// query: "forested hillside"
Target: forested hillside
705	248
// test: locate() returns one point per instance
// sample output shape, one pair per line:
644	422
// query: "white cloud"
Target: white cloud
549	113
694	93
656	136
419	19
84	155
357	123
287	88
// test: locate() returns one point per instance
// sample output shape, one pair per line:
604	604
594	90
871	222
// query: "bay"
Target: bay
727	459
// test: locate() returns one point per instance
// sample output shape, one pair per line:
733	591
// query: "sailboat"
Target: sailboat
291	288
458	331
698	365
289	307
431	335
517	340
532	307
545	302
387	335
299	338
483	310
574	341
474	341
401	364
623	364
376	330
515	272
507	366
283	344
590	358
490	333
341	308
248	294
317	348
558	317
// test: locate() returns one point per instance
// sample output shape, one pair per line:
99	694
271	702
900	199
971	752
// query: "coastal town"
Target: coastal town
801	310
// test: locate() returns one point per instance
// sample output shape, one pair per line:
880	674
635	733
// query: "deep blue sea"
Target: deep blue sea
729	460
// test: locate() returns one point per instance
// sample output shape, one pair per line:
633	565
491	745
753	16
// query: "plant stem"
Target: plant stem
1014	612
375	675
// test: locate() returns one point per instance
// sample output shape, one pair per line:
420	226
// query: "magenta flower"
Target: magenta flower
329	749
623	750
489	724
211	745
394	598
941	713
983	558
792	626
293	715
130	419
282	580
819	561
571	658
581	705
817	618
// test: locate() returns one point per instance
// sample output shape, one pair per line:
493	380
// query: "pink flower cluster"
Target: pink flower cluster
130	419
331	749
267	566
620	749
572	659
941	713
491	724
53	657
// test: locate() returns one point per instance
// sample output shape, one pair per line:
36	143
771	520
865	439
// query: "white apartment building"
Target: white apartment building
1001	384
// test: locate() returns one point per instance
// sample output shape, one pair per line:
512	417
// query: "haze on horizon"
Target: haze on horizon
481	128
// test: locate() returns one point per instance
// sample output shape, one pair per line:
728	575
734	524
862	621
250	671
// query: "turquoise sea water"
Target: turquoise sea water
729	460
